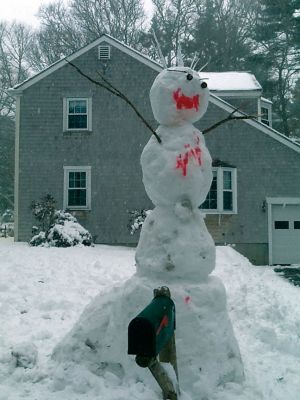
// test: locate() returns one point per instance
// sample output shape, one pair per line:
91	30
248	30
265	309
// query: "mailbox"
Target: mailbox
152	329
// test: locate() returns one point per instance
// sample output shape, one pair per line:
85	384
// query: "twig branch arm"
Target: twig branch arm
230	117
110	88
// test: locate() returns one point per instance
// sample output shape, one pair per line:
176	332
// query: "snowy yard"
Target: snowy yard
44	290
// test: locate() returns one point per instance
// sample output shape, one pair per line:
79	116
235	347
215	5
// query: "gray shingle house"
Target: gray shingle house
82	144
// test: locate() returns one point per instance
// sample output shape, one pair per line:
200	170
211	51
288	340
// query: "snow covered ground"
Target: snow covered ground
44	290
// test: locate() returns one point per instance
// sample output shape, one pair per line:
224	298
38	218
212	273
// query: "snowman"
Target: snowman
174	250
177	175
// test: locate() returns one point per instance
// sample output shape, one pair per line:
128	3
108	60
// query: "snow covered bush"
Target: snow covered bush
66	231
136	220
7	223
63	229
44	210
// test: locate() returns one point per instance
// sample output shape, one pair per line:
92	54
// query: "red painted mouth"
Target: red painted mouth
185	102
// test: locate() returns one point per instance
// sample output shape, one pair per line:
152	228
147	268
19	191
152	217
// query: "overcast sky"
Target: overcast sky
25	10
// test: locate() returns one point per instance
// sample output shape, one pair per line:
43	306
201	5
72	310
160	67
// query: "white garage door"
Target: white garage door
285	233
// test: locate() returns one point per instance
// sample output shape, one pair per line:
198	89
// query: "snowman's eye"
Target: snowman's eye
189	77
204	85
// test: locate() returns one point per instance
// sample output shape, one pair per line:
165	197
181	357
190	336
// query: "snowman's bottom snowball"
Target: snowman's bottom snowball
207	351
175	244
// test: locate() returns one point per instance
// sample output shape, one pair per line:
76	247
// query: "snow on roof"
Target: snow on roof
231	81
264	100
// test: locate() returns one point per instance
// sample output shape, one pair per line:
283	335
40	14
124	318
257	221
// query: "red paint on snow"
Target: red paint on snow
182	162
185	102
194	153
164	323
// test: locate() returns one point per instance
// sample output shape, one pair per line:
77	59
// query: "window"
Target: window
281	225
265	119
265	111
77	188
296	224
77	114
222	197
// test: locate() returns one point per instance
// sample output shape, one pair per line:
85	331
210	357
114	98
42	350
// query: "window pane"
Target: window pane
264	113
80	107
210	202
282	225
77	197
296	224
82	179
227	181
227	201
71	179
77	121
77	106
77	179
72	107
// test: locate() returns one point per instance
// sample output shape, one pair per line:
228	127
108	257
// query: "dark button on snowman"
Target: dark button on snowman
177	175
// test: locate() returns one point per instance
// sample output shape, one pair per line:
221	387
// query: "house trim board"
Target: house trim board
17	170
271	201
259	110
254	93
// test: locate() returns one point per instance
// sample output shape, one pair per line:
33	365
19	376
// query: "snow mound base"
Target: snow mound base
207	352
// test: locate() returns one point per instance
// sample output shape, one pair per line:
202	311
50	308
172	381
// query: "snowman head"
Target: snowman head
178	95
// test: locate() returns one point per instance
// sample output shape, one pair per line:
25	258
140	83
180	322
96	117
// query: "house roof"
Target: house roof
233	83
219	163
242	82
221	83
255	123
64	61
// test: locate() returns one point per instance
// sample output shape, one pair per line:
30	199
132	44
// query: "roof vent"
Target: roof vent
103	52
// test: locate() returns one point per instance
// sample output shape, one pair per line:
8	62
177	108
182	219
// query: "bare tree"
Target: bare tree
276	32
57	37
15	42
172	21
66	28
6	163
123	19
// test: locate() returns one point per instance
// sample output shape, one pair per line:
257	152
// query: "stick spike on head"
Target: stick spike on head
205	65
162	58
179	59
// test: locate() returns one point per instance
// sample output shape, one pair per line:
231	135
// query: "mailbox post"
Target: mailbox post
151	334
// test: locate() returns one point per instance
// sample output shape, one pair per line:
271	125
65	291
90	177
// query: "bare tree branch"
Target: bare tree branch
112	89
230	117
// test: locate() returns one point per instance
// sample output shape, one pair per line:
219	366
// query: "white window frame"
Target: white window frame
265	118
67	170
66	102
220	190
268	106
